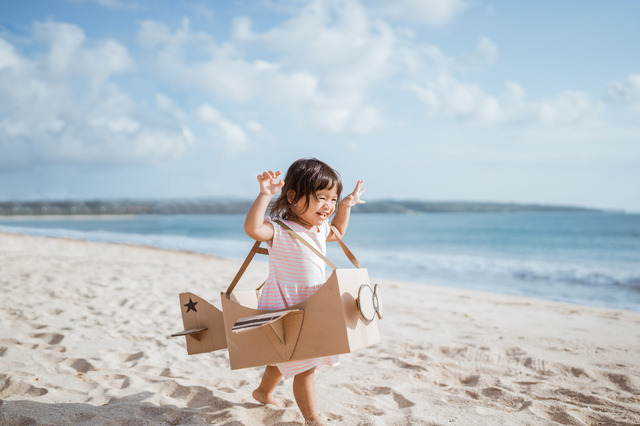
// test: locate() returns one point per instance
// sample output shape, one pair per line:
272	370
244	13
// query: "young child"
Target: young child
308	197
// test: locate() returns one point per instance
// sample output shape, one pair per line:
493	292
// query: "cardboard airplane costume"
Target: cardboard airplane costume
341	317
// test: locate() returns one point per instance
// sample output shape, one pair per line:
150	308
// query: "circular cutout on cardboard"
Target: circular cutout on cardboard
377	300
365	302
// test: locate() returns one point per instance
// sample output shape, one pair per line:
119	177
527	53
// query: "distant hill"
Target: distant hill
194	206
102	207
393	206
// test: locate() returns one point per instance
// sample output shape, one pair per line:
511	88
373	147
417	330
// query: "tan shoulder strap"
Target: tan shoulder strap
255	249
346	251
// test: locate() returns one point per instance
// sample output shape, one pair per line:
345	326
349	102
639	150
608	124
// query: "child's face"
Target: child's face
320	207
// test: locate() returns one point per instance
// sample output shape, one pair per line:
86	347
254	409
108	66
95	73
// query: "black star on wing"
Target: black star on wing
191	306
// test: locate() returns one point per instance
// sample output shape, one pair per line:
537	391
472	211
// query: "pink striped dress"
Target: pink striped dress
295	273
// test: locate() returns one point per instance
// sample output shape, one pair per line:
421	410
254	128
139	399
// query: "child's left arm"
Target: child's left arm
341	219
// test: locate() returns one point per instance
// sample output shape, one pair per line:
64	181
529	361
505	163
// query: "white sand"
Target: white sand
84	341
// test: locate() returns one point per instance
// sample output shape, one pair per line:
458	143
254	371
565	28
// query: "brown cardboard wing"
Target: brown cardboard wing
282	328
332	324
203	325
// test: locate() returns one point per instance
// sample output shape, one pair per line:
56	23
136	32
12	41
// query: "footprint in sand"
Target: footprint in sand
398	398
622	382
493	392
79	364
117	381
540	367
131	357
193	396
402	401
573	396
9	388
577	372
471	380
558	414
37	326
472	394
230	385
156	371
49	338
503	397
374	411
333	416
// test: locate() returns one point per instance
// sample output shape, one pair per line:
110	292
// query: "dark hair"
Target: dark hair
303	179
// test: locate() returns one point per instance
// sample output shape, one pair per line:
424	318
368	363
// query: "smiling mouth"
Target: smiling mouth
323	215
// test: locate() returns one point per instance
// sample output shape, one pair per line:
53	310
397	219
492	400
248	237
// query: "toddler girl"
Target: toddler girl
308	197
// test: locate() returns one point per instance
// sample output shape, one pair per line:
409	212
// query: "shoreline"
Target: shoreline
69	216
85	342
183	250
177	250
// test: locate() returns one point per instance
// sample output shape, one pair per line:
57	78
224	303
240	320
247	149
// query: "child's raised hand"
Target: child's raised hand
354	198
269	184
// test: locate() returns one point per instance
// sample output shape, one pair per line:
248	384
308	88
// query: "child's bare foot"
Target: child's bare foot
266	398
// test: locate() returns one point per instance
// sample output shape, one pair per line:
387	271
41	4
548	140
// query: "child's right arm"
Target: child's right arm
254	225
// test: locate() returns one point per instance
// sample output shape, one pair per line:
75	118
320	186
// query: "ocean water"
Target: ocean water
589	258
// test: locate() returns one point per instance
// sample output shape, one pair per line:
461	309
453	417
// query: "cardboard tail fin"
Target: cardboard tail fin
282	328
203	325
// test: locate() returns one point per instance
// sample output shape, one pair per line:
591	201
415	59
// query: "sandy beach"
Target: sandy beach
84	341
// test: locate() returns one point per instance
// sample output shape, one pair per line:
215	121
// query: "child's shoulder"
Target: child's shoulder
324	228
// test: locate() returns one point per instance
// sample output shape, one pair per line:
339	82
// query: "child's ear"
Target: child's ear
291	196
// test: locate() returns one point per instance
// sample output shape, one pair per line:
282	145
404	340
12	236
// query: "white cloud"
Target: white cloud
447	97
487	50
68	54
427	62
202	10
320	65
626	91
431	12
432	78
61	106
255	127
8	56
323	64
466	102
486	54
569	106
166	104
234	136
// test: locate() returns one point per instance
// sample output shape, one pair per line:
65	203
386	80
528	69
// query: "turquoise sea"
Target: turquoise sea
591	258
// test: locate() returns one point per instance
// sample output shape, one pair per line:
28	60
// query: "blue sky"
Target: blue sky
535	102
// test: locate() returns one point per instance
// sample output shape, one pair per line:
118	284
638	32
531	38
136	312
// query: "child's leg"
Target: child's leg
270	380
304	392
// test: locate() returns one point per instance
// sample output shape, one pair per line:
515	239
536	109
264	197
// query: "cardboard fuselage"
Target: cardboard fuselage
331	324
